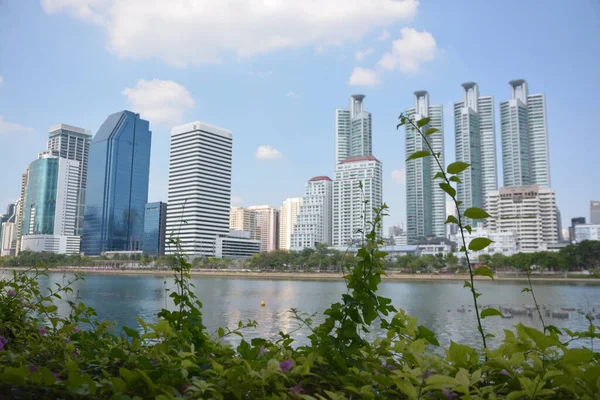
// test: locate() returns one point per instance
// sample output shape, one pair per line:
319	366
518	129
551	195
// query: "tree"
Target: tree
452	260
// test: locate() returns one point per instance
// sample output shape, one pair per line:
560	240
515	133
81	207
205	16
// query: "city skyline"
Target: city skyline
295	89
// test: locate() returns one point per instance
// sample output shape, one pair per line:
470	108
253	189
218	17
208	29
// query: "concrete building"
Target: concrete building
9	236
528	211
353	130
267	222
425	201
155	228
199	187
594	212
400	240
525	157
350	213
244	219
288	214
505	243
313	224
574	222
237	245
475	140
587	232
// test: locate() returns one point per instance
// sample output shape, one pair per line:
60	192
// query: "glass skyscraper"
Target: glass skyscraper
155	221
117	190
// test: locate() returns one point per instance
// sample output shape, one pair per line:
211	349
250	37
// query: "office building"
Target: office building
425	200
352	130
475	140
155	224
237	245
267	223
313	224
529	211
586	232
525	158
10	209
288	214
243	219
199	187
594	212
505	243
9	236
357	180
118	174
574	222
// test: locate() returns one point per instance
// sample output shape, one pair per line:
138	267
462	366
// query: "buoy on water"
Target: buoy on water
262	304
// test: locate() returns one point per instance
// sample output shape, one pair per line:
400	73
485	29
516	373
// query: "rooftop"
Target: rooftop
320	178
358	159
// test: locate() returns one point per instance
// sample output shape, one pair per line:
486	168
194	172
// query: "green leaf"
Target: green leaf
553	329
131	332
490	312
467	284
451	220
431	131
439	175
418	154
448	189
484	271
423	121
424	333
476	213
455	179
469	229
457	167
577	356
220	332
479	243
525	290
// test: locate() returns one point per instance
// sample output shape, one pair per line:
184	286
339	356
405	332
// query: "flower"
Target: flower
56	375
32	369
42	330
12	293
429	373
76	329
296	390
285	366
262	351
3	342
504	372
449	394
391	367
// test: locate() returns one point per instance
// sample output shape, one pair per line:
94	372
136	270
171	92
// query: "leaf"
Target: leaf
469	229
418	154
131	332
553	329
525	290
448	189
220	332
457	167
577	356
479	243
424	333
476	213
490	312
451	220
467	284
484	271
431	131
439	175
423	121
455	179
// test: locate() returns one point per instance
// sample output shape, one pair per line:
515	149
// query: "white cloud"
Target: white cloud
184	32
12	128
159	101
265	152
385	35
361	55
399	176
363	77
236	200
293	95
410	51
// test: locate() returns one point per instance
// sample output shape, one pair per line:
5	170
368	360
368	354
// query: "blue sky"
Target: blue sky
273	71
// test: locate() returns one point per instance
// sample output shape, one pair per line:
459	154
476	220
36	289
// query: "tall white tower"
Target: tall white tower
288	214
313	224
353	130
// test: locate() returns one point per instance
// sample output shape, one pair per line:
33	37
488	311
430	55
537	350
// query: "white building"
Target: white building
528	211
267	222
352	130
425	201
434	248
236	245
288	214
400	240
505	243
9	235
525	158
59	244
243	219
199	187
594	212
313	224
350	213
587	232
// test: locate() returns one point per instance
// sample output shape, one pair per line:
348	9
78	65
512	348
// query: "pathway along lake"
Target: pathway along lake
437	305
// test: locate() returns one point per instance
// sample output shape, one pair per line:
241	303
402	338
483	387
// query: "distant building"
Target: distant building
559	225
155	221
244	219
267	222
395	230
594	212
9	236
574	222
505	243
313	224
400	240
200	165
587	232
118	174
236	245
10	210
353	127
528	211
288	214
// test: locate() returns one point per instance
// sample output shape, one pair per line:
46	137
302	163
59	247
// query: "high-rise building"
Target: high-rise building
586	232
243	219
525	156
267	222
50	206
559	225
199	187
475	139
425	200
357	180
529	211
594	212
574	222
10	209
288	214
73	143
118	174
352	130
19	210
8	231
155	220
313	224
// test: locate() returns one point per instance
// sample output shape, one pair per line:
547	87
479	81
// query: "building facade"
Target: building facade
594	212
425	200
288	214
505	243
574	222
237	245
357	180
267	223
353	130
313	224
118	173
243	219
199	187
525	156
587	232
528	211
155	224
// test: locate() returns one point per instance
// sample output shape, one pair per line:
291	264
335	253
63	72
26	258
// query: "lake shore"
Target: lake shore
310	276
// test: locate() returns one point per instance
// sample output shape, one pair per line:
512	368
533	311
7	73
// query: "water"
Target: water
227	300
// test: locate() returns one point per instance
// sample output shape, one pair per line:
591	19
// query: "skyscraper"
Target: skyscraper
115	200
8	232
475	140
425	200
267	222
525	158
352	130
574	222
19	210
155	219
73	143
244	219
199	187
594	212
288	214
313	224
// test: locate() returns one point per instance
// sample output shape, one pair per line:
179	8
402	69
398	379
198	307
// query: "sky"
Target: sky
274	71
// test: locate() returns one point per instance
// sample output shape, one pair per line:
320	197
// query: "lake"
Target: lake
227	300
